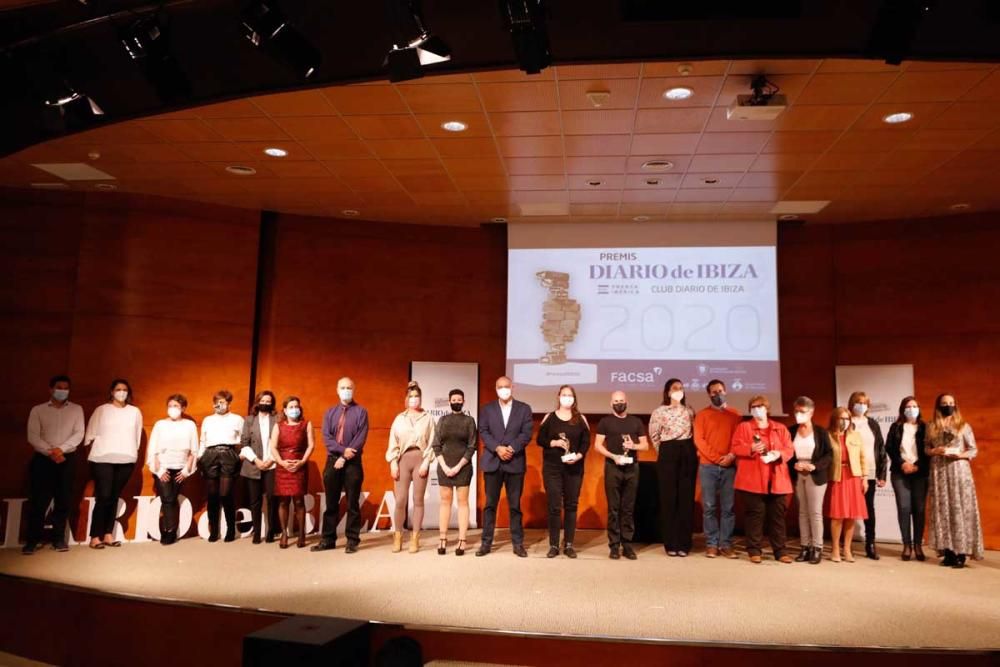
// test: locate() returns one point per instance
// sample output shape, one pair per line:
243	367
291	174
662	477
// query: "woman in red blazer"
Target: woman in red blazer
762	448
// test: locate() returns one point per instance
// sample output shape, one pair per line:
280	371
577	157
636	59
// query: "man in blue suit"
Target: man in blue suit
505	427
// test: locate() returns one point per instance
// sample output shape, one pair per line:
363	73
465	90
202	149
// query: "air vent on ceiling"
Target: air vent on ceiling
75	171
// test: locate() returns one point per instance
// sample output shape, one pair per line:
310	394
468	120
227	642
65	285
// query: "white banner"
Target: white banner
436	380
886	386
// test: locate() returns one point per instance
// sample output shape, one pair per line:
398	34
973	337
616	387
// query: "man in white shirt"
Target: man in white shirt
219	461
55	429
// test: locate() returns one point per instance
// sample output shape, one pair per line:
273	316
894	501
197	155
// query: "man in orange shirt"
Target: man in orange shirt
713	434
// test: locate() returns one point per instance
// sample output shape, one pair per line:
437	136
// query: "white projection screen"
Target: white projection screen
604	307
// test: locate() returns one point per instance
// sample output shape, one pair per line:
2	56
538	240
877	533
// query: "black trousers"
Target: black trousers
347	480
677	469
562	489
219	466
170	509
621	484
911	503
764	511
513	482
870	504
49	482
257	489
109	480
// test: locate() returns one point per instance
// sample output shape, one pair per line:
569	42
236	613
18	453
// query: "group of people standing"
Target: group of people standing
833	470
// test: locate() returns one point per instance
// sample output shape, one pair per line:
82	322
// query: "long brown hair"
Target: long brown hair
936	425
834	425
260	395
901	419
666	391
575	419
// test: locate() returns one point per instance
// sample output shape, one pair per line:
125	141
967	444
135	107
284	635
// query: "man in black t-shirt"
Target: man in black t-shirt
619	436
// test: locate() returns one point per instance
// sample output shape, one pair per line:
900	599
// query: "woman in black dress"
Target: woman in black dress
454	445
565	438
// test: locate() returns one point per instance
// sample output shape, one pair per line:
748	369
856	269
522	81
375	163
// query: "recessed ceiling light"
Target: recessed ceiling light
240	170
641	218
788	216
898	117
94	155
657	165
351	213
960	207
276	152
106	186
709	181
594	183
652	181
676	94
498	220
454	126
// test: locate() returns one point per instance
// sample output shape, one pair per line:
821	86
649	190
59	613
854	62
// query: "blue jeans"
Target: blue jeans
717	496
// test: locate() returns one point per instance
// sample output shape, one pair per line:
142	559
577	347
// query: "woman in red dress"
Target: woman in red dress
291	445
846	494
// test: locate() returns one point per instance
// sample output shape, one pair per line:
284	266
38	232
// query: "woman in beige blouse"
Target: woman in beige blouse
409	456
670	431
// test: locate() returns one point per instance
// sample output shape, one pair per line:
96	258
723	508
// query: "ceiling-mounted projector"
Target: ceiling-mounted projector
763	103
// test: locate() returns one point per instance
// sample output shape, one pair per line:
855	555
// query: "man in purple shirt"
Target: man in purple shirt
345	429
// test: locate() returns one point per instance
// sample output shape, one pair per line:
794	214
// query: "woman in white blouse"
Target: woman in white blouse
113	435
173	445
409	455
671	432
909	466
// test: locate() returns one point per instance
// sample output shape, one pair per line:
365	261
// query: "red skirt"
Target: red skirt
846	498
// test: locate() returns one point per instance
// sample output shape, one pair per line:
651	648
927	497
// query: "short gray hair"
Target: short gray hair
804	402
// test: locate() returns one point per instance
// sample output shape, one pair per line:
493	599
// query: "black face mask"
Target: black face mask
619	408
947	410
265	407
457	407
718	400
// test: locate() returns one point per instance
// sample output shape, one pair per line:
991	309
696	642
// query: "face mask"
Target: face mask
677	396
803	417
345	395
174	413
413	402
619	408
718	400
293	413
504	393
221	409
947	410
265	407
121	396
60	394
860	409
566	401
845	424
760	412
457	407
912	413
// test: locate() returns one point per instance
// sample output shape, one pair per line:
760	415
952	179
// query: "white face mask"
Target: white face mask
759	413
860	409
677	396
566	401
121	396
803	417
503	393
413	402
345	395
174	412
845	425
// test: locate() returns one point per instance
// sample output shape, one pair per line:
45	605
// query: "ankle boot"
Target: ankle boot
907	551
815	555
803	555
397	542
870	551
918	552
414	542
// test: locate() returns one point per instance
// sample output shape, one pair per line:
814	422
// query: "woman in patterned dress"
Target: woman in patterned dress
671	432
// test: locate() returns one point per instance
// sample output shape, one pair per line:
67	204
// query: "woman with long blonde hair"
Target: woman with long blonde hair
410	455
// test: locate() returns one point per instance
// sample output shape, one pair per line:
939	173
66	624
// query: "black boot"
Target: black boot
907	551
803	555
213	518
959	562
950	559
816	555
870	551
229	509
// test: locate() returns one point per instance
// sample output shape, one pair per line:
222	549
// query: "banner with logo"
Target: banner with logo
436	380
886	386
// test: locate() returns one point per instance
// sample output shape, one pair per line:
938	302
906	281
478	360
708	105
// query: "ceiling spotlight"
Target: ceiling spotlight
677	94
710	181
351	213
240	170
526	21
960	207
787	217
145	41
413	46
454	126
652	181
896	118
641	218
657	165
498	220
267	28
275	152
67	99
594	183
106	186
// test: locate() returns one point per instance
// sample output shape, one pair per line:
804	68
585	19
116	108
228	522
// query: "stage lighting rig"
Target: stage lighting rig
526	21
413	45
267	28
896	27
146	40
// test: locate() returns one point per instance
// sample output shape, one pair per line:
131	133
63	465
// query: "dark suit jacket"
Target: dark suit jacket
516	434
251	438
895	441
822	456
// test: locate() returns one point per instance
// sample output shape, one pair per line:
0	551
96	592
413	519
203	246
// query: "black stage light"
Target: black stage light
526	21
895	28
413	45
146	42
267	28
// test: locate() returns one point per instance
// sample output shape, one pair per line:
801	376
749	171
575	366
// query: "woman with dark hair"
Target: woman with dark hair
409	455
454	445
910	467
564	437
220	463
672	435
956	531
173	445
848	484
810	471
113	435
870	433
291	445
258	466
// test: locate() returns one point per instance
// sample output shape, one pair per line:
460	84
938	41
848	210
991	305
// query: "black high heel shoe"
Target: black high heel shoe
460	549
442	546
